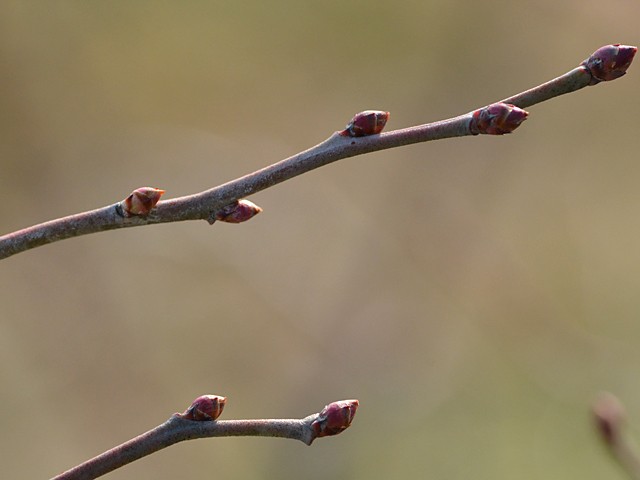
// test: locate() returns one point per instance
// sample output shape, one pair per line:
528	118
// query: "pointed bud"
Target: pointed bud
237	212
609	416
140	202
334	418
205	408
609	62
497	119
366	123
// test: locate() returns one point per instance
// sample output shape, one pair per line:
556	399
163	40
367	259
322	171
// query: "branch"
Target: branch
199	421
361	136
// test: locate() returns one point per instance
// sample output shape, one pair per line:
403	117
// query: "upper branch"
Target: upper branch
361	136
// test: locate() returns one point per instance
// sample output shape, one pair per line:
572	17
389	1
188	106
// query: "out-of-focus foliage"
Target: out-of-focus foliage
473	294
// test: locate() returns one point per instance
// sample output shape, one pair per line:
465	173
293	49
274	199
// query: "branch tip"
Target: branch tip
369	122
609	415
335	418
205	408
497	119
609	62
140	202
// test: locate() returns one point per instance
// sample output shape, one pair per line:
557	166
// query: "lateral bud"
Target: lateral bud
609	62
369	122
140	202
205	408
334	418
497	119
237	212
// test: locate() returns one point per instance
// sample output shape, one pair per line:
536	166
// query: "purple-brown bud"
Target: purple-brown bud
237	212
497	119
366	123
609	62
334	418
609	416
205	408
141	201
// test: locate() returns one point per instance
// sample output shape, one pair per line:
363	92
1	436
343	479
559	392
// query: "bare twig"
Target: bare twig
607	63
610	419
198	421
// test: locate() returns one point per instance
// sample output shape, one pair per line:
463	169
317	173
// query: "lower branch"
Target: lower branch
199	421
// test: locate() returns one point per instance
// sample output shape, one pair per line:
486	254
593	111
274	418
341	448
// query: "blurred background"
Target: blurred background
474	294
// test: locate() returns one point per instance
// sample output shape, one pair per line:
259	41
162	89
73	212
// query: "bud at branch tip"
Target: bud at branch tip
334	418
609	62
609	416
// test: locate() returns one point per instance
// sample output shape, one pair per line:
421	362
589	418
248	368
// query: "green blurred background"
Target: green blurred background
474	294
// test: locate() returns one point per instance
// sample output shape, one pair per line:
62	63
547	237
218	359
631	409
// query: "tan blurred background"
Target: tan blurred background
474	294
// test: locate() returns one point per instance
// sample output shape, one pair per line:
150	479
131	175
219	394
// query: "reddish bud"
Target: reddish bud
205	408
366	123
609	62
141	201
609	416
497	119
237	212
334	418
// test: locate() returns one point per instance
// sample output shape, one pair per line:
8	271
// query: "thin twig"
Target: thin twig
607	63
194	423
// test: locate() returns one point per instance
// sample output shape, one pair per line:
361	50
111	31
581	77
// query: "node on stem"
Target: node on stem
236	212
497	119
140	202
205	408
369	122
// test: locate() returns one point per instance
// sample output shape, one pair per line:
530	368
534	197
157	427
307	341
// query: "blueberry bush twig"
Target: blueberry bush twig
199	421
610	419
361	136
